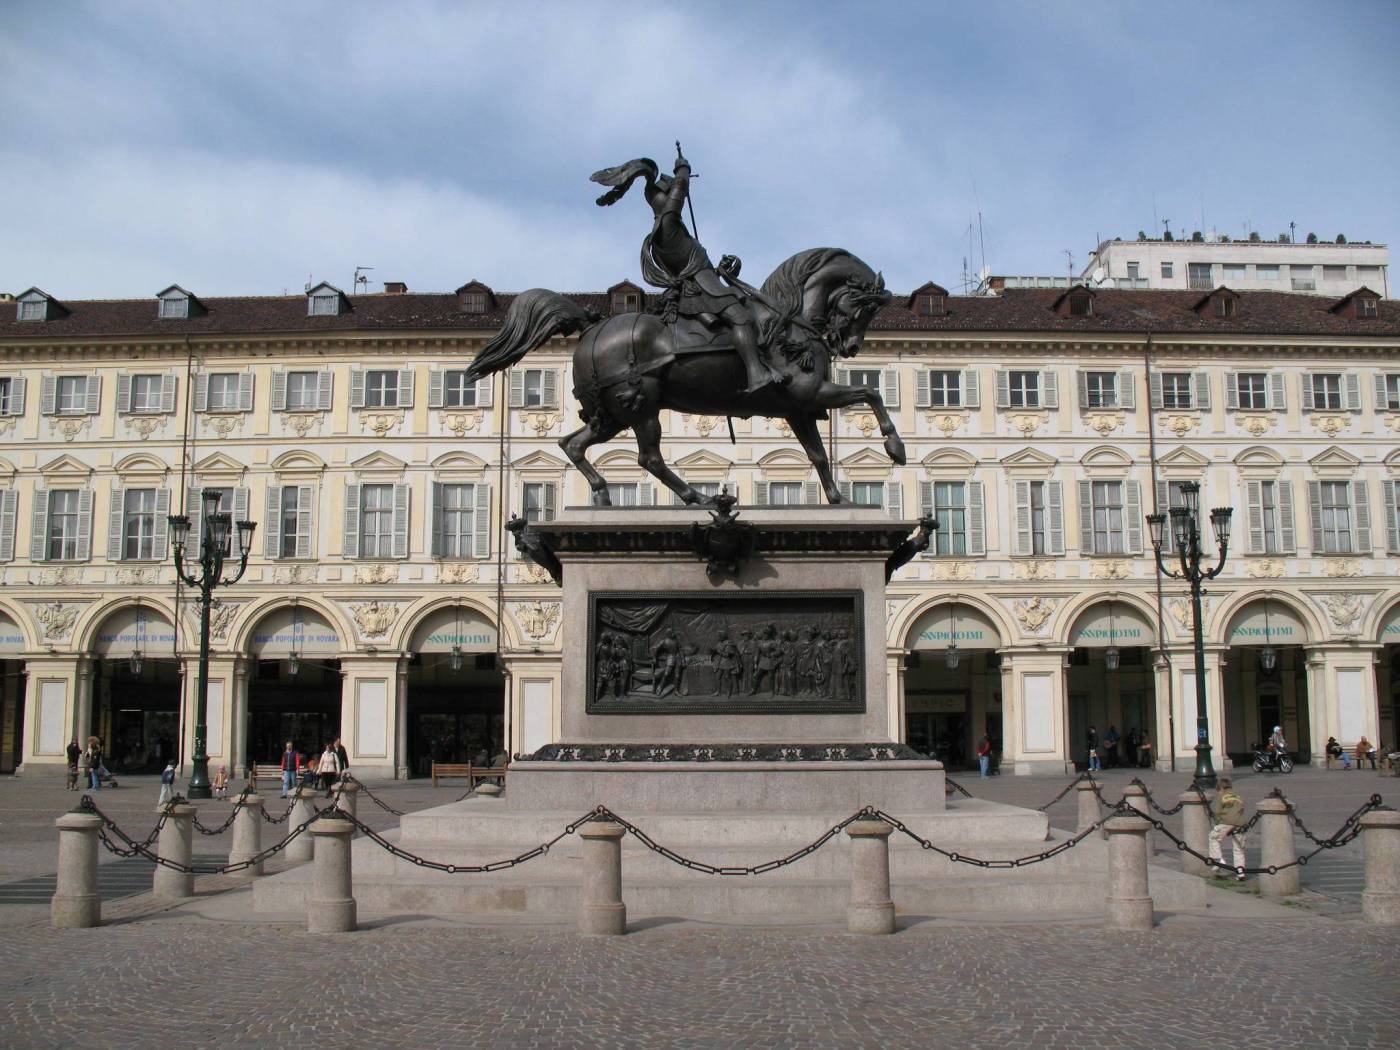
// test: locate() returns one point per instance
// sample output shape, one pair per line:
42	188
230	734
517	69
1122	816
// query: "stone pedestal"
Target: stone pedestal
601	910
1277	849
1086	795
76	904
871	910
174	845
247	835
1136	796
331	908
1380	836
1129	900
1195	826
301	848
347	793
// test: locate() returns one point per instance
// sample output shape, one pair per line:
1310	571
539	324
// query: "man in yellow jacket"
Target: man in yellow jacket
1229	824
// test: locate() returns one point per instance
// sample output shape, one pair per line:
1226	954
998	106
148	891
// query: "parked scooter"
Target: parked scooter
1269	760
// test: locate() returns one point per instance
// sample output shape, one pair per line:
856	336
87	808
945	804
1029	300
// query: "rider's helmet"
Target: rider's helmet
1278	729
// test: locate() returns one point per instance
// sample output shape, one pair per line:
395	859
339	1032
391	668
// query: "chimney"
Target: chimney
395	288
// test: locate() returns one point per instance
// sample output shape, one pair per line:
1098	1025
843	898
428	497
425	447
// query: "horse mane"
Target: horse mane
785	285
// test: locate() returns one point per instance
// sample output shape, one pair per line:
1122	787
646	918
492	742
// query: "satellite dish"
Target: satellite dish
1099	275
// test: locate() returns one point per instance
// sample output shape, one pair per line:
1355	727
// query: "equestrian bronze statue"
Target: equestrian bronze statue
714	346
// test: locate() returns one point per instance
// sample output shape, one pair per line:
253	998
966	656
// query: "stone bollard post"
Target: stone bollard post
76	904
301	848
1129	899
331	906
1380	837
1136	797
1088	804
347	793
871	910
1276	834
488	790
174	845
1195	826
601	910
247	835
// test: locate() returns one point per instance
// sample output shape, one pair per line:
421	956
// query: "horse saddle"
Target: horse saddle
689	335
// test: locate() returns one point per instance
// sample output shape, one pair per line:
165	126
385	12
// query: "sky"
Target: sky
251	148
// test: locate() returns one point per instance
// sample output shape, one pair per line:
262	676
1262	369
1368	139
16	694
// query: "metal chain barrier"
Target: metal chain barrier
471	869
375	798
227	823
1070	787
1374	802
981	862
284	817
951	785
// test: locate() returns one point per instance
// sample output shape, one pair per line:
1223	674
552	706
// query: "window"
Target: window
455	524
624	493
146	391
63	525
534	388
303	391
1100	389
1368	274
1367	307
785	493
1266	272
1039	518
928	305
868	493
223	388
1198	274
624	300
1081	305
288	521
1253	390
539	501
945	389
473	302
1326	389
382	388
32	310
950	511
1332	515
456	391
138	529
1224	306
1168	271
1232	272
1391	489
174	308
1107	521
1334	273
866	377
1024	390
1270	508
325	305
1388	392
376	521
1132	271
1176	390
73	395
1302	278
6	395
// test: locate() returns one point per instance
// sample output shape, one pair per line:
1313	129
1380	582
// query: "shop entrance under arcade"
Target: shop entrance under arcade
952	684
455	694
294	690
1265	681
1111	686
136	690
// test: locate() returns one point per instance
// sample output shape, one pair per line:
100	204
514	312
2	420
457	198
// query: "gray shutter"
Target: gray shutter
435	380
1164	496
39	526
194	510
889	387
405	388
1086	517
436	514
279	391
240	505
306	516
1154	389
484	387
1392	521
168	383
1132	512
84	525
124	393
115	515
48	395
350	534
162	532
401	493
549	388
1382	396
921	385
549	494
9	505
1082	381
481	521
925	499
94	395
1232	391
1287	543
976	519
357	388
1305	387
1278	399
272	524
17	387
1254	504
325	387
245	391
1003	389
1050	390
1127	390
1351	392
971	392
1315	512
1055	517
646	494
201	392
894	498
1022	544
840	376
1361	518
760	493
847	491
1201	391
517	389
811	494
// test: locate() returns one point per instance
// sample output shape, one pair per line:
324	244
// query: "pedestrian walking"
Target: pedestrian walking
167	784
291	767
74	754
1092	741
93	755
221	783
1229	824
984	755
342	759
328	768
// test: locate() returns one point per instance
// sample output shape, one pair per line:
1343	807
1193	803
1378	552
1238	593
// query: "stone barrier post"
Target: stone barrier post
301	848
1195	827
601	909
1129	899
1088	798
1136	797
331	906
76	904
1276	833
247	834
871	910
1380	836
485	789
347	792
174	845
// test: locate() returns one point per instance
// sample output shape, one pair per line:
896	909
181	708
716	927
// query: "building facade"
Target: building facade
382	605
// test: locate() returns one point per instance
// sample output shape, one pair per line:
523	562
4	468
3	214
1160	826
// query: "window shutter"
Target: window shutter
1392	517
401	520
114	525
847	491
406	387
1382	397
484	387
841	376
350	540
1055	516
162	531
94	395
167	392
84	525
1127	390
245	391
1050	394
272	523
1286	541
1278	400
201	392
481	523
1305	385
435	379
39	526
549	493
1086	517
357	388
517	389
971	394
18	383
549	388
925	499
9	504
1232	391
1154	389
48	395
811	495
1361	517
194	508
921	391
1023	543
894	498
279	391
1003	389
124	393
1164	496
1082	379
976	519
1315	512
1351	392
646	494
760	493
436	513
1132	511
889	387
1254	502
1201	391
325	385
240	505
306	504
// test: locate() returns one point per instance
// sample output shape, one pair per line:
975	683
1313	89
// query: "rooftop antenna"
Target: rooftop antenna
1167	225
360	280
1069	262
1292	233
310	280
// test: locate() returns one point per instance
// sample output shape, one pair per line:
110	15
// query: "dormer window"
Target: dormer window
475	298
325	300
1224	307
174	308
1362	304
929	300
34	310
1221	303
624	298
1367	308
1081	305
37	305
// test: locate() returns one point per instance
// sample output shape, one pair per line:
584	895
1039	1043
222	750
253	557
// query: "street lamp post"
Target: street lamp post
215	545
1186	537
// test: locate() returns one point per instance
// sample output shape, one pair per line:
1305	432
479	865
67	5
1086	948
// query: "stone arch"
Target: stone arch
21	619
1220	618
1070	612
912	612
249	617
1380	612
1106	457
459	460
96	614
785	457
417	614
298	459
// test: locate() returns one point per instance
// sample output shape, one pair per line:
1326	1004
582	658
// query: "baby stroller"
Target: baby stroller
105	778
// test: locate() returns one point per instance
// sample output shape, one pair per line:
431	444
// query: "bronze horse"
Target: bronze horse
814	308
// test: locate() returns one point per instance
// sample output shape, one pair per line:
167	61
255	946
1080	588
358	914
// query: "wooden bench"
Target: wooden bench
264	771
473	775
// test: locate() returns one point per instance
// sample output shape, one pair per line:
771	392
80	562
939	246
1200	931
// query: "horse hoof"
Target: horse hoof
894	448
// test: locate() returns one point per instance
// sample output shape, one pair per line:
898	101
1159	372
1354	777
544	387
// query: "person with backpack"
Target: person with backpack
1229	822
167	784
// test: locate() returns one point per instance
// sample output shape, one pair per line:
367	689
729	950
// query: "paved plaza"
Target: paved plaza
199	974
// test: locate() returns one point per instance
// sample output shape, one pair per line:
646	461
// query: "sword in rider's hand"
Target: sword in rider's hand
694	230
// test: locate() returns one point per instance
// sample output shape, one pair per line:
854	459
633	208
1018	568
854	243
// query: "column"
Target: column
533	707
1164	696
894	674
401	770
1346	705
222	726
1034	711
238	748
84	721
1183	660
50	713
369	716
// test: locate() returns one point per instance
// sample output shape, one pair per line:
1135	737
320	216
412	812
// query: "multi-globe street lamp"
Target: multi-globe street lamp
215	545
1186	537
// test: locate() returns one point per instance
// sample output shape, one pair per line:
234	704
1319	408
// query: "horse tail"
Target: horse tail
533	318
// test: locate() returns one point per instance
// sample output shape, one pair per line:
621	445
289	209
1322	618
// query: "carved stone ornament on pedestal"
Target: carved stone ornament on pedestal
1110	570
56	619
536	619
947	423
1265	568
223	425
221	615
60	576
294	574
542	422
1027	423
1179	609
380	423
1034	569
703	425
71	427
865	423
1392	420
1344	610
376	574
953	570
1034	613
374	618
1330	425
458	572
724	544
144	426
1341	568
137	575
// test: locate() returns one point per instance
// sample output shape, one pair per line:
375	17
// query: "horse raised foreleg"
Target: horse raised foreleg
648	433
577	443
838	395
804	428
